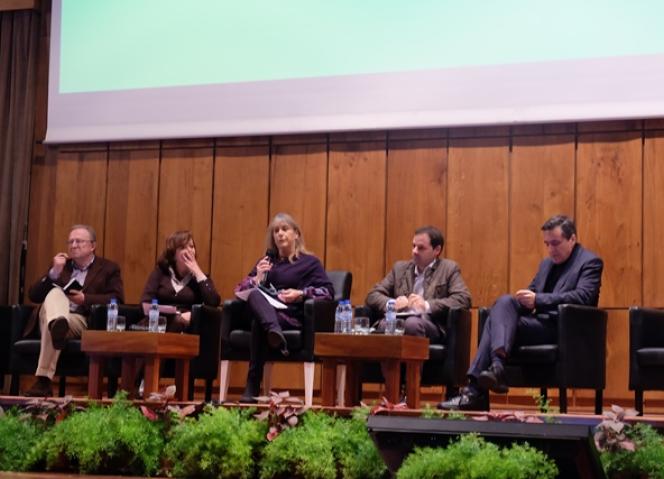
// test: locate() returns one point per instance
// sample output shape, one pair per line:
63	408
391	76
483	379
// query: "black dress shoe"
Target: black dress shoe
470	399
493	379
59	328
40	388
277	340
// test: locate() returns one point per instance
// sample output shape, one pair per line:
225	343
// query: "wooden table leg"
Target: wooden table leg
182	379
413	372
328	382
151	379
95	376
392	372
128	378
353	386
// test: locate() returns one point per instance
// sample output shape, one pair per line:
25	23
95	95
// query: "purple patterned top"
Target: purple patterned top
305	273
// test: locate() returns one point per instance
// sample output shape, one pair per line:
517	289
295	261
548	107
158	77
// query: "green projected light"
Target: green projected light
135	44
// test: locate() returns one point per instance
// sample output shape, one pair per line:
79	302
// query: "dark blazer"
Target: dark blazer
102	283
579	283
444	287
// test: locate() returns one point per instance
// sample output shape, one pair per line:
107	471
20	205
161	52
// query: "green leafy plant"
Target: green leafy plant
473	457
323	447
18	435
629	450
220	443
115	439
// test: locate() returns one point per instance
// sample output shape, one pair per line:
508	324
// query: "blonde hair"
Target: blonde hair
279	218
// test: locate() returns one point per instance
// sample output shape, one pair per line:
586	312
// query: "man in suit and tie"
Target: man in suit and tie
570	275
426	286
63	315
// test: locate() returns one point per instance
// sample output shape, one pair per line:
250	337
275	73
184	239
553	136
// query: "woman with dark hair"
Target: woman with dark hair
179	281
295	275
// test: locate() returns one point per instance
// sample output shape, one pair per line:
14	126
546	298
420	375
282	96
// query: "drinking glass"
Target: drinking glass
161	324
121	323
361	325
400	327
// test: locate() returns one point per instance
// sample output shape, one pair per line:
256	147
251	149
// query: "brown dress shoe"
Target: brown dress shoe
40	388
59	328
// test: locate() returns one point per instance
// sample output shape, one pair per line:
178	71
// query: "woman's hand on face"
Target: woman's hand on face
190	262
291	295
263	266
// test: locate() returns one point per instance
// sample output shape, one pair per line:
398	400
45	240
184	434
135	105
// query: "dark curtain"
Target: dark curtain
19	40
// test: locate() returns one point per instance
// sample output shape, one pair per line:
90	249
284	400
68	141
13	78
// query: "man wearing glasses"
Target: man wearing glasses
571	274
76	280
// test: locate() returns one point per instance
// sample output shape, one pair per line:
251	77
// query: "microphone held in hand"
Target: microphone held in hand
272	255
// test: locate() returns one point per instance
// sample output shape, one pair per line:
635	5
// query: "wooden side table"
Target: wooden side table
353	350
133	345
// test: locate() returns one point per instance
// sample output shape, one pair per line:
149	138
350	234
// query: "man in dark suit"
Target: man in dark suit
63	315
570	275
426	286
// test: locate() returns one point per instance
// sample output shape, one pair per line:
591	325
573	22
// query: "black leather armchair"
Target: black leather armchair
646	352
25	351
448	360
237	325
205	322
576	360
5	342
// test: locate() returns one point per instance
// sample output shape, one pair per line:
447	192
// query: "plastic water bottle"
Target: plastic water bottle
390	317
153	316
348	317
339	318
112	315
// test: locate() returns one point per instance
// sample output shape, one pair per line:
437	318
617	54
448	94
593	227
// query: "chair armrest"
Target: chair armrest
482	316
233	316
582	345
646	328
206	323
457	329
321	314
19	318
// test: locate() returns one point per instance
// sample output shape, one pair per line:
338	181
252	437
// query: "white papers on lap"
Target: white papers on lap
163	308
244	294
405	314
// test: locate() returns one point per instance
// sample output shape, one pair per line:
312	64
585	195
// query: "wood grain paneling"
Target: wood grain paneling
41	215
609	208
80	195
240	215
416	193
298	186
185	197
653	226
477	215
131	219
617	352
356	213
542	184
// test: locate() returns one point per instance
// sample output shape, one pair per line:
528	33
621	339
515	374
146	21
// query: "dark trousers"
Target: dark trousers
509	324
265	318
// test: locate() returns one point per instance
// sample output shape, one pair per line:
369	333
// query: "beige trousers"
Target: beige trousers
55	304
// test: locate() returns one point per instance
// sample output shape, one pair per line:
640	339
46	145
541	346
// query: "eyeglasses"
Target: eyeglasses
76	241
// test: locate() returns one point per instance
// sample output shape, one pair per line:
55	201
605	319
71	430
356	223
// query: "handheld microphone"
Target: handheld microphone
272	255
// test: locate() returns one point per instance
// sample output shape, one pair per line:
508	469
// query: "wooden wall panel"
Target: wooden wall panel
477	215
240	214
609	209
185	197
542	185
41	216
80	195
356	213
298	186
653	226
617	354
416	193
131	215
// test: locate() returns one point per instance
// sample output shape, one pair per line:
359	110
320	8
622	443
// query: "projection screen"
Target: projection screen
158	69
